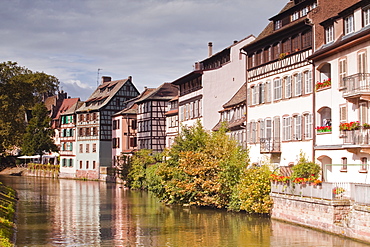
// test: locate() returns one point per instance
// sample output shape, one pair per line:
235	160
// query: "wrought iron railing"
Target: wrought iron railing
270	145
356	84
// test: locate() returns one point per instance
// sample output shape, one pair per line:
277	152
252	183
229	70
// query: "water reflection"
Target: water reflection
84	213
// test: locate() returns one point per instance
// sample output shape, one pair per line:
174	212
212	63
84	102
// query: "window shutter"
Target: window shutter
343	114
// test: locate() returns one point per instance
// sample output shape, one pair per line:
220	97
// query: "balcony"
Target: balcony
353	140
270	145
356	86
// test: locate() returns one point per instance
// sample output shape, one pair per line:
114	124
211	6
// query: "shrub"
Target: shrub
305	168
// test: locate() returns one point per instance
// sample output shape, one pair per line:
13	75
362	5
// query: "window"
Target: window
116	142
349	26
308	126
297	84
94	148
261	93
344	164
94	164
295	16
307	77
116	124
342	71
366	16
81	148
95	131
343	113
363	164
87	148
268	91
329	34
361	61
276	128
262	129
278	24
268	128
254	95
307	39
87	164
297	131
288	87
287	127
80	164
277	89
363	112
324	116
304	11
253	132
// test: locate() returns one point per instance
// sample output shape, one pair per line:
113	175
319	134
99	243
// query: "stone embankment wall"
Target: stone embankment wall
337	216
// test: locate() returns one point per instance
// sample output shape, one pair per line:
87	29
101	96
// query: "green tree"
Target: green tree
38	137
20	89
201	169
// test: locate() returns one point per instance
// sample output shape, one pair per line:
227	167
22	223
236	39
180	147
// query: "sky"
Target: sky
154	41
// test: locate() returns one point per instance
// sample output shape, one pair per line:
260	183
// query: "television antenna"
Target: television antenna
97	79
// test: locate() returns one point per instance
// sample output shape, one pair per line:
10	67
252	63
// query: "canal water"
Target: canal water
54	212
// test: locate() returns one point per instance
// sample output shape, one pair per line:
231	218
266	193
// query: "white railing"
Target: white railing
327	191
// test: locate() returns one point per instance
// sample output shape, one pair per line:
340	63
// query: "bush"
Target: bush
305	168
253	192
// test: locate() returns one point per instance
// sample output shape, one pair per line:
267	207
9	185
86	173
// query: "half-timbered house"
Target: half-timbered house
151	117
172	121
94	126
280	88
124	131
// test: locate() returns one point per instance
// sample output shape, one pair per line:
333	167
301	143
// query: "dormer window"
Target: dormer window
295	16
366	16
278	24
329	34
349	26
304	11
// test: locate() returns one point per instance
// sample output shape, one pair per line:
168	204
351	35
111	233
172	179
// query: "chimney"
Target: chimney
130	78
105	79
209	49
197	66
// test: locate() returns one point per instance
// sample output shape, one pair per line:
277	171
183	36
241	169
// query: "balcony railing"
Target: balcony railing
270	145
356	85
359	136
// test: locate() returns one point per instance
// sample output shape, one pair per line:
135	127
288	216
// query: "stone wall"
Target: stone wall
340	217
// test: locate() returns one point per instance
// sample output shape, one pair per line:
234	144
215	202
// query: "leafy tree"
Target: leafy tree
38	137
201	169
20	89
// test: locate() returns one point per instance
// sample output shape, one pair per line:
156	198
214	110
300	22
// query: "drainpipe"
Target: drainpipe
246	95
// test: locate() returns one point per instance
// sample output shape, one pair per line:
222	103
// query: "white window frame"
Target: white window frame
297	131
329	34
287	128
297	84
342	71
277	89
288	87
361	62
295	16
308	126
366	16
349	24
307	77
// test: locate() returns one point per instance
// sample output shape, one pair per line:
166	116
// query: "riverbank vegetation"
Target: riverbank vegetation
203	169
7	213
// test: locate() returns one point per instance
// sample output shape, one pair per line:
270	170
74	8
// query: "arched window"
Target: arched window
325	71
324	116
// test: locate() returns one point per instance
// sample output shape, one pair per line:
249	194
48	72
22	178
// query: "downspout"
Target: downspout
246	95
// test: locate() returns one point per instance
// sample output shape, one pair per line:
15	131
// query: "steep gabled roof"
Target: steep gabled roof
66	105
103	94
131	107
164	92
239	97
73	108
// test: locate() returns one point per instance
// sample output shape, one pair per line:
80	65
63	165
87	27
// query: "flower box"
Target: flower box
323	129
323	85
349	126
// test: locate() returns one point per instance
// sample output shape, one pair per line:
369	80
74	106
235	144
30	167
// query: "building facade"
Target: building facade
94	127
